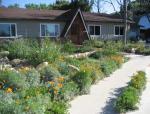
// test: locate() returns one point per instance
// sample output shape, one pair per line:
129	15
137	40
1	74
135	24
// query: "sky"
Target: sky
107	8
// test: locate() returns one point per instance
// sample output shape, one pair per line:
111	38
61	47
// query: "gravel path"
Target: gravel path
102	95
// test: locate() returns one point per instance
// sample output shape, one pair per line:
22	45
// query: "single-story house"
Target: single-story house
74	25
144	24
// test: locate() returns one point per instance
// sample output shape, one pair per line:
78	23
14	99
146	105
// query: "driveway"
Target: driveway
102	95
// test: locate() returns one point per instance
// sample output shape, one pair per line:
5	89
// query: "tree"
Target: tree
0	3
14	6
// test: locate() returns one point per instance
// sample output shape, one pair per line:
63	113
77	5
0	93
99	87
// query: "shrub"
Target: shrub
49	52
58	107
49	73
108	66
93	68
69	91
138	81
128	100
32	76
94	43
130	96
83	80
68	47
12	80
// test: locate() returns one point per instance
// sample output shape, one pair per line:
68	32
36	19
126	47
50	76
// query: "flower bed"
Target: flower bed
47	88
130	95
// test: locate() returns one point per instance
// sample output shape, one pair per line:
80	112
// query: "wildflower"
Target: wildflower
27	97
61	79
60	85
9	90
55	92
51	83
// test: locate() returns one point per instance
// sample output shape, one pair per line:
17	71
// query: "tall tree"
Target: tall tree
14	6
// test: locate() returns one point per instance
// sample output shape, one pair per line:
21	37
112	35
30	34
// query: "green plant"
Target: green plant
11	79
83	80
138	81
127	100
32	77
58	107
108	66
49	73
68	47
69	91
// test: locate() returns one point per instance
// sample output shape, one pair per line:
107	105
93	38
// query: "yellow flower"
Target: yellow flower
9	90
60	85
51	83
27	97
55	92
61	79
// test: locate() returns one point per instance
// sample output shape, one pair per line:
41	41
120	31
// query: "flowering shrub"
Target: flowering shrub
11	80
130	96
118	59
49	73
83	80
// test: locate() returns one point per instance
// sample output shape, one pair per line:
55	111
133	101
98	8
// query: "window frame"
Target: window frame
119	30
45	31
94	30
10	30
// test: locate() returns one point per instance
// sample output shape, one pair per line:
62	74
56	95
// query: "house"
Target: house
144	24
74	25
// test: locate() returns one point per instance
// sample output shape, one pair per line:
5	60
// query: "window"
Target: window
7	30
95	30
119	30
49	30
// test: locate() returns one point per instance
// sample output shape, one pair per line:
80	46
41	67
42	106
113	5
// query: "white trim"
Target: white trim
10	31
50	24
119	30
78	11
94	30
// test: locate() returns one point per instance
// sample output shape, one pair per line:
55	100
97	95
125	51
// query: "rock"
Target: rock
5	66
4	54
4	60
18	62
42	65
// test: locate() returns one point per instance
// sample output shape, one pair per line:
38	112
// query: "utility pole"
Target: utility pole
125	22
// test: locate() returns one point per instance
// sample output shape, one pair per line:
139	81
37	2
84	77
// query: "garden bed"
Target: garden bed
50	80
130	95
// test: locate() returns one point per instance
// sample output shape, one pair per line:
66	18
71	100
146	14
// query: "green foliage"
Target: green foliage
69	47
138	81
33	52
130	95
83	80
58	107
108	66
32	78
128	100
69	91
49	73
94	43
49	51
12	79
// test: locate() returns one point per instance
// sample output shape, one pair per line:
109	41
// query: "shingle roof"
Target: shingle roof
60	15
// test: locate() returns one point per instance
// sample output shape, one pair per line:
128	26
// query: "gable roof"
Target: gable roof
69	23
59	15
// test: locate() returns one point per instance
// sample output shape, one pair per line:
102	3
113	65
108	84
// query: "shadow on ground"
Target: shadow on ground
109	108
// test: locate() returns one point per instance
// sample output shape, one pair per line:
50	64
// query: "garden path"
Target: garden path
102	95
